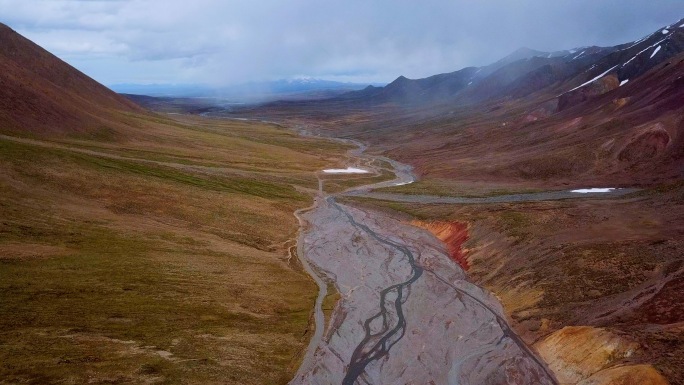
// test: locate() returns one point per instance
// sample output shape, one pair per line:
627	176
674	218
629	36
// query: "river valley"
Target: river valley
407	313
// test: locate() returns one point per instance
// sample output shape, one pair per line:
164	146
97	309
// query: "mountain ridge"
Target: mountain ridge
629	59
251	92
569	119
45	95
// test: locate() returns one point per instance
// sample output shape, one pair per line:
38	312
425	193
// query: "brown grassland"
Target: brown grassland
158	258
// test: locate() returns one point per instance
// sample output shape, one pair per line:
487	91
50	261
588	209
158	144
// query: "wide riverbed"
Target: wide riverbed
407	313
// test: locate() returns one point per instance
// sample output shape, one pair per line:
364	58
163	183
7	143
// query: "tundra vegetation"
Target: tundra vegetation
157	259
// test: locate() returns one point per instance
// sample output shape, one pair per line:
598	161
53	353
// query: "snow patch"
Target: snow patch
681	26
582	53
665	32
593	190
594	79
643	50
348	170
623	82
401	183
655	52
636	42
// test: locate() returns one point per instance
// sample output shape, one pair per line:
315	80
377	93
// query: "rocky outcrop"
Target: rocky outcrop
589	91
585	355
626	375
645	145
453	234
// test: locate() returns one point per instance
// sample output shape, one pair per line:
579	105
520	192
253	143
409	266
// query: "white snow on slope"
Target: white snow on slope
582	53
401	183
593	190
593	80
623	82
655	52
636	42
348	170
665	32
644	50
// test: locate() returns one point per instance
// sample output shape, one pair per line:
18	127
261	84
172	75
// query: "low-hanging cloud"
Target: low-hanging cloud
223	42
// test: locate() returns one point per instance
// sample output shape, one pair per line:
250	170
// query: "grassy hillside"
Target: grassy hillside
41	94
160	259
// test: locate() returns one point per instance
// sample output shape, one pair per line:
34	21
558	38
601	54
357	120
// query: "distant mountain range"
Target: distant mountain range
590	115
292	89
593	113
528	71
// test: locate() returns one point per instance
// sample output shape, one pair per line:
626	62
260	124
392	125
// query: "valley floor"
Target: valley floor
589	281
601	275
170	259
159	259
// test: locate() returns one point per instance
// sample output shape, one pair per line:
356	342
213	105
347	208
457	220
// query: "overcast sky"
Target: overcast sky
231	41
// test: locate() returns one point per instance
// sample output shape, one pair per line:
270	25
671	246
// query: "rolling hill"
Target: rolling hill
43	95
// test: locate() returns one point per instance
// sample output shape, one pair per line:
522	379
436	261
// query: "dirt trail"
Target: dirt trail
407	313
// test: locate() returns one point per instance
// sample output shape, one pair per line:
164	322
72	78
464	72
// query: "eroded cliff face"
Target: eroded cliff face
576	352
596	279
453	234
577	355
626	375
585	355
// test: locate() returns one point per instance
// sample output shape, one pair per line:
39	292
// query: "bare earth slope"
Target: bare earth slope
43	95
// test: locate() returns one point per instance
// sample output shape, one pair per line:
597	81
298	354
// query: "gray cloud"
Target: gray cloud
221	42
